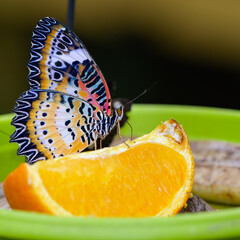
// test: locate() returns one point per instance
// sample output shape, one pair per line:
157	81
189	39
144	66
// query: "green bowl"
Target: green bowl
199	123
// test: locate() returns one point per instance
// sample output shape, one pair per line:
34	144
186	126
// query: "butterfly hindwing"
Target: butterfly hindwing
59	61
51	124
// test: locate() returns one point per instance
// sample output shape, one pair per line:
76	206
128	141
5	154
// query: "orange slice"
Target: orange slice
151	177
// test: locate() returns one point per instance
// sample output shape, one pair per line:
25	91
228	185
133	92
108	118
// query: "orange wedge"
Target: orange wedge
151	177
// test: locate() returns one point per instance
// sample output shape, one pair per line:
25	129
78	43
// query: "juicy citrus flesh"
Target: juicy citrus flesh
131	183
153	176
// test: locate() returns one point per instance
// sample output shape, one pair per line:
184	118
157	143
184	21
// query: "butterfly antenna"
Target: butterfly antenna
142	93
136	97
70	14
119	134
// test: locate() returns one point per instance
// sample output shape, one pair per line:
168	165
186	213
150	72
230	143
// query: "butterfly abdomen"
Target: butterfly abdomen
106	123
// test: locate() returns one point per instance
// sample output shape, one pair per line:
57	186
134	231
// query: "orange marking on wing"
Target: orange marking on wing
43	60
46	49
84	95
81	68
88	95
76	146
49	123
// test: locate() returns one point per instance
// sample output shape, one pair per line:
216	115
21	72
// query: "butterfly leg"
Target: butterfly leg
100	142
97	136
95	143
131	129
119	134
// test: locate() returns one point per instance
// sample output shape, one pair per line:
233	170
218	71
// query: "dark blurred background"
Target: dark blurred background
192	48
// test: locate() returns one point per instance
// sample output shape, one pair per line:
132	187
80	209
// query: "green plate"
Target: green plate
199	123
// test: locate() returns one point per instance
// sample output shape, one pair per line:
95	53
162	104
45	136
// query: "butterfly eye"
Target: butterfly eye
120	112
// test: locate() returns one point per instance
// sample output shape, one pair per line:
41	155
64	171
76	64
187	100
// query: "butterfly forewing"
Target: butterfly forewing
59	61
51	124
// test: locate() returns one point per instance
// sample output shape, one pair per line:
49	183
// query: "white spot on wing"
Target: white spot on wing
78	54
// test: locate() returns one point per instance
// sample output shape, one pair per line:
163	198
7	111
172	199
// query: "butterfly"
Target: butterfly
68	106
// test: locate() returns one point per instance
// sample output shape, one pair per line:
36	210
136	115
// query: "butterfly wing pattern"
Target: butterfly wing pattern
59	61
68	105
